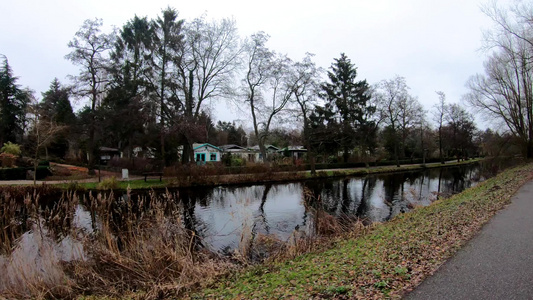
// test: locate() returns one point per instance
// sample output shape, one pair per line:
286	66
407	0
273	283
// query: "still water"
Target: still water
219	215
224	218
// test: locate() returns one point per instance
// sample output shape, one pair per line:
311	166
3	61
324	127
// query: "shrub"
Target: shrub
237	162
135	164
7	160
20	173
45	163
11	149
108	183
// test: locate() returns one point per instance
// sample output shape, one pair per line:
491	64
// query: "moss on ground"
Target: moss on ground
387	261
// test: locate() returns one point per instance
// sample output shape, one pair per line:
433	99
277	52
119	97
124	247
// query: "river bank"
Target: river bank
113	181
386	260
146	246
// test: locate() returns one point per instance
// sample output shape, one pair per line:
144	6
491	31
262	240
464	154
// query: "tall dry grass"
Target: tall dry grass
136	247
323	231
143	246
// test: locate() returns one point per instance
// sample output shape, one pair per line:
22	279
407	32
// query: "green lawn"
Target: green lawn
132	184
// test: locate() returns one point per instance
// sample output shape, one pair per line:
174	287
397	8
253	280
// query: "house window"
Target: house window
213	156
200	156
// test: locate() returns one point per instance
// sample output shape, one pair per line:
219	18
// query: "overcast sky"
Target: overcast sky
433	44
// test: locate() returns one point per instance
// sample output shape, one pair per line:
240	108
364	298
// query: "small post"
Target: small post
125	174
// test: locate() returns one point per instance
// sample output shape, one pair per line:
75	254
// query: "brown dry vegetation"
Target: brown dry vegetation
130	249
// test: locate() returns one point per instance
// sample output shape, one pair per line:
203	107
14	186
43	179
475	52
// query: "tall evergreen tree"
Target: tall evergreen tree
167	54
13	102
349	100
55	109
125	110
56	106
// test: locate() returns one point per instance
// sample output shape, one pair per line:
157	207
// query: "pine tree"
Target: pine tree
348	100
13	102
55	106
55	109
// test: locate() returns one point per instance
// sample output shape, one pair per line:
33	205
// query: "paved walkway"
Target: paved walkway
496	264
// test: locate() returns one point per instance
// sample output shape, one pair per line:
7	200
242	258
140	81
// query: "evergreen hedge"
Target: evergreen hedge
20	173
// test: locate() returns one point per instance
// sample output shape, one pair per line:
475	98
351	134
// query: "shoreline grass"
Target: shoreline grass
388	260
273	177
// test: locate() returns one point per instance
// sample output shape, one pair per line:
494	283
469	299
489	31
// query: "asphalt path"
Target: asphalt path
496	264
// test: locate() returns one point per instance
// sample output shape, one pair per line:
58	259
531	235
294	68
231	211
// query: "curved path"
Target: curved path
496	264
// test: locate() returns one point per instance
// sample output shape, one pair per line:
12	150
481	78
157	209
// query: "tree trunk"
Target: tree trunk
310	154
440	146
529	149
186	155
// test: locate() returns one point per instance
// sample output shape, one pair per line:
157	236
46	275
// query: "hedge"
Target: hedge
20	173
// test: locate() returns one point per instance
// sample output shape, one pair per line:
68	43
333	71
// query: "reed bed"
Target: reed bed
107	245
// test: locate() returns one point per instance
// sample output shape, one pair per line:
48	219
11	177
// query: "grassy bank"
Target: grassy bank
384	261
266	177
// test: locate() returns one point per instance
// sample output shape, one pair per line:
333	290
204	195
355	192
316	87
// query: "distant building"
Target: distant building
271	151
241	152
296	152
206	153
106	154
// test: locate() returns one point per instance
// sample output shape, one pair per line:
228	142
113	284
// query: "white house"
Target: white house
242	152
206	153
271	151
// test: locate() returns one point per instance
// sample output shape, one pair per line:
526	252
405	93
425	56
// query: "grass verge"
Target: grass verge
215	180
123	185
387	261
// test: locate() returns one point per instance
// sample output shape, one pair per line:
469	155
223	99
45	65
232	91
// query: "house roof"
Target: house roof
231	147
205	145
294	149
107	149
256	147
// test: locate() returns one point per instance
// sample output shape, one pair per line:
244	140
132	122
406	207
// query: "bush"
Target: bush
20	173
108	183
7	160
134	165
237	162
11	149
45	163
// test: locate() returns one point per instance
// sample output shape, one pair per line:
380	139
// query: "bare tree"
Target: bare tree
505	91
264	86
304	80
44	131
410	113
389	95
90	49
439	115
210	60
460	129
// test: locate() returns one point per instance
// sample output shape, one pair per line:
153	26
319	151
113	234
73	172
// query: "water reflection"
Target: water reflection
225	217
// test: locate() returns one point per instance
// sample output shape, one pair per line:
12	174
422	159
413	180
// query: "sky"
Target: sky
435	45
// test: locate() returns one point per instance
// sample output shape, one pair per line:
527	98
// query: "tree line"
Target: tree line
150	84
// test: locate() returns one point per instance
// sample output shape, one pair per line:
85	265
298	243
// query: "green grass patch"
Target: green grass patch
132	184
388	260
